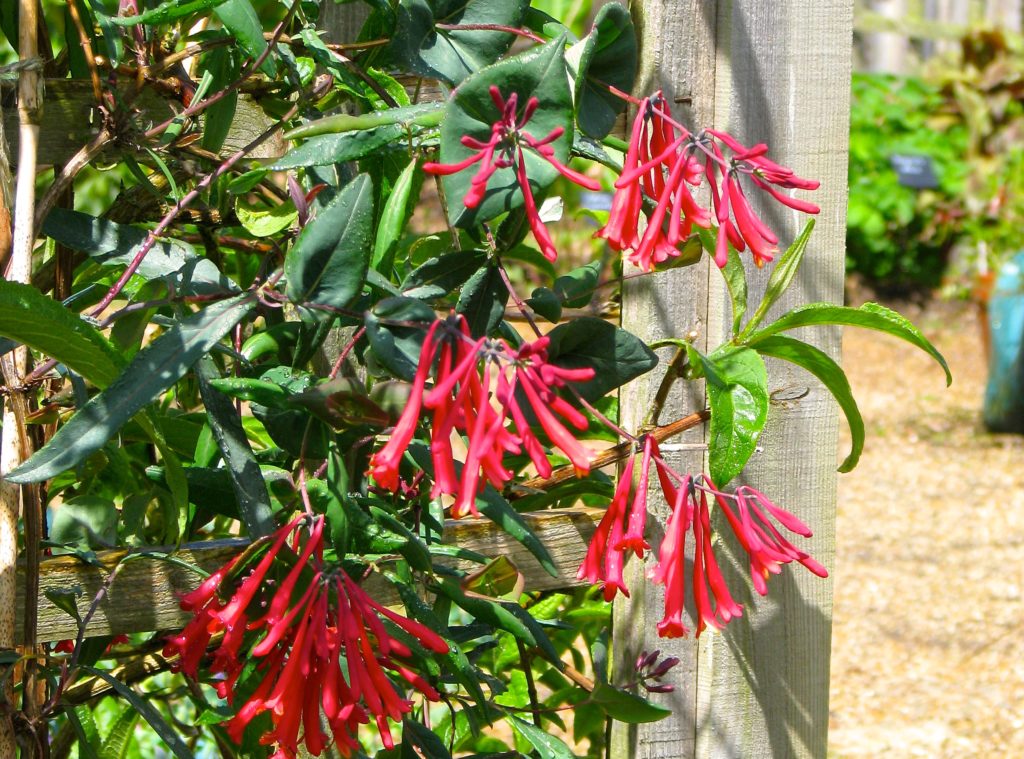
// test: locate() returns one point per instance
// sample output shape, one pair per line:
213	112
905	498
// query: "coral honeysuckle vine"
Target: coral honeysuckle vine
332	354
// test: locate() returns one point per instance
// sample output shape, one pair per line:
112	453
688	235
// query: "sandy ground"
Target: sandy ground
928	647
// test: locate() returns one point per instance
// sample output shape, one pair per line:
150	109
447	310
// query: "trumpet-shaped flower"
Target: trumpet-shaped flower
505	149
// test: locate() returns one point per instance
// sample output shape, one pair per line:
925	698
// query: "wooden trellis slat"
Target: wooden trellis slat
69	121
144	595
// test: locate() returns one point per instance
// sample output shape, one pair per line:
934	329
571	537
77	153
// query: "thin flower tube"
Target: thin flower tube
505	149
663	160
486	391
319	648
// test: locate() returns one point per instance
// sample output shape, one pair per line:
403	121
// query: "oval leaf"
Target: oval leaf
153	370
328	263
616	355
609	57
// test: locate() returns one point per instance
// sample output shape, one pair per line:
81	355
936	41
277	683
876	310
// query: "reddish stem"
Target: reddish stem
491	28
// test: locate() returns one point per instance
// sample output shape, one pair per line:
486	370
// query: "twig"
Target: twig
531	686
90	59
611	455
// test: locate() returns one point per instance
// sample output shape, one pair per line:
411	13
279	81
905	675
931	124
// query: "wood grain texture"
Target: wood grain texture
678	57
776	72
783	78
69	122
144	596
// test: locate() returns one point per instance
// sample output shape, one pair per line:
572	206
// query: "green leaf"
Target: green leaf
616	355
500	615
737	386
626	707
819	364
547	745
545	303
609	57
328	263
169	10
782	275
108	243
405	118
148	712
500	579
222	64
246	477
392	220
65	600
869	316
119	739
438	276
483	300
265	221
85	520
419	735
84	725
239	18
153	370
250	389
30	318
734	274
576	289
539	72
453	54
330	149
398	347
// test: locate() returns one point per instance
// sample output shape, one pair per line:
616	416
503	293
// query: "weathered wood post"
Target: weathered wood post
775	71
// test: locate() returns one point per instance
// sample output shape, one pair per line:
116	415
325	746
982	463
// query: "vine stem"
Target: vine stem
185	201
492	28
612	455
15	444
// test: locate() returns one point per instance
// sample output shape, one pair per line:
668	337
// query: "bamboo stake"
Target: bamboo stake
14	446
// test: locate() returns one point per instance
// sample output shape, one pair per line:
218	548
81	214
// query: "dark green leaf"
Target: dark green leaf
398	347
737	386
153	370
576	289
330	149
615	355
782	275
250	389
341	403
540	73
547	745
627	707
82	722
169	10
546	304
111	244
869	316
85	520
429	745
327	265
222	63
30	318
149	713
439	276
246	477
483	300
392	220
453	54
832	377
65	600
609	57
239	18
404	117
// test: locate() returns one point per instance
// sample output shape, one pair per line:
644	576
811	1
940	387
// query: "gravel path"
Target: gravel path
928	647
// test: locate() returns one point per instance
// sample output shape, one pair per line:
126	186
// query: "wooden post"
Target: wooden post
774	71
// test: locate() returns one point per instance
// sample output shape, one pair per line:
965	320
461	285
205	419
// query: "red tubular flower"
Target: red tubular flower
505	149
662	161
767	548
300	644
670	570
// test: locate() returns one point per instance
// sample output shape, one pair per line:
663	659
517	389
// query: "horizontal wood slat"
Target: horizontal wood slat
144	595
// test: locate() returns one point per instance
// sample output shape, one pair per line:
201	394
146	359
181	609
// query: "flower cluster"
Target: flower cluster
504	150
621	530
663	161
316	639
479	386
